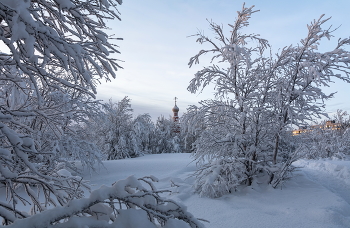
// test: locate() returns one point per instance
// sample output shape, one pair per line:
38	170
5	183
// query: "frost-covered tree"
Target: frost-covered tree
118	135
342	120
235	138
258	97
56	52
191	128
324	141
166	140
114	130
143	135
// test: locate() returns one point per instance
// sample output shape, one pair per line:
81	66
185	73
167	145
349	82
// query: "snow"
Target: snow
318	195
64	173
65	4
336	168
5	172
129	219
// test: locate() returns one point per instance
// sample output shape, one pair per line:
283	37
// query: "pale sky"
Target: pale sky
156	47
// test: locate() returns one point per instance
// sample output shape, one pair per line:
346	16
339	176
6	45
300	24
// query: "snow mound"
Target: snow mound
336	168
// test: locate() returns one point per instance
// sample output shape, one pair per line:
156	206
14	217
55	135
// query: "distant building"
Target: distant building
328	125
176	122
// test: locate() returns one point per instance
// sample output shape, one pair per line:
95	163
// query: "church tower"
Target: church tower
176	123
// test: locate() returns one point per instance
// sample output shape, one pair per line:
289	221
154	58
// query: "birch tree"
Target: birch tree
258	96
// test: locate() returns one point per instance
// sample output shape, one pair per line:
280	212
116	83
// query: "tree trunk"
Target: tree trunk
276	149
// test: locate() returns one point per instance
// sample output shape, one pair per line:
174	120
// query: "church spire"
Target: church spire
176	127
175	109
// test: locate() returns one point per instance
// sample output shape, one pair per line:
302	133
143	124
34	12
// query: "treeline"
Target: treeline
117	134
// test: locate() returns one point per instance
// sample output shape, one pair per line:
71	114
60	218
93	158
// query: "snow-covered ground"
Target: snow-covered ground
318	195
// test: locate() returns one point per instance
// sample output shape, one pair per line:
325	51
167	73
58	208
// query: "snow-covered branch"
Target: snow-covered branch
127	203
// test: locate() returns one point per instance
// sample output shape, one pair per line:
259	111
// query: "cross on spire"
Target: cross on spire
175	99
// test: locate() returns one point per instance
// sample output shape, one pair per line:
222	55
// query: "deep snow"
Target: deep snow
318	195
